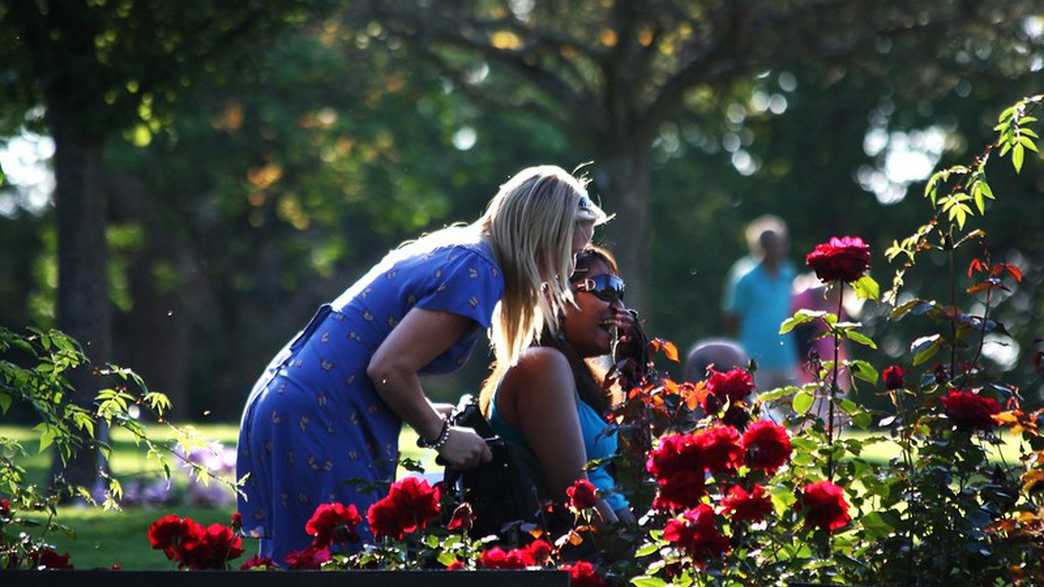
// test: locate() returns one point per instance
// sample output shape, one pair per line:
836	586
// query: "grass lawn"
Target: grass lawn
101	538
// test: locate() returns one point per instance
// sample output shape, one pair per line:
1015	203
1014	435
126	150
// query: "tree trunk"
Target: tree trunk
623	179
83	298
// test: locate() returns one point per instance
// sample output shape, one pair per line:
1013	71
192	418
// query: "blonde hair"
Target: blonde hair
531	222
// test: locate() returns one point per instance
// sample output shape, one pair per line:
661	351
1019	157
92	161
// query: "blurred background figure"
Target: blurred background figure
811	294
721	353
758	299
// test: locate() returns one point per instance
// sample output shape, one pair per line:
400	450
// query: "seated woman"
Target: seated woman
551	403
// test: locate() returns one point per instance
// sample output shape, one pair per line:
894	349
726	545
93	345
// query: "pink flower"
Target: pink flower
840	259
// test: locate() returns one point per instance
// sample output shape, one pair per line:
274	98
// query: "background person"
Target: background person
757	301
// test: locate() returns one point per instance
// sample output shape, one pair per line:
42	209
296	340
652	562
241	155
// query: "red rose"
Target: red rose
410	504
825	506
310	558
675	452
236	521
463	518
583	574
734	386
115	567
741	506
217	545
680	491
697	534
539	551
46	558
767	446
333	523
970	410
258	562
171	533
498	558
456	565
582	495
840	259
720	450
893	377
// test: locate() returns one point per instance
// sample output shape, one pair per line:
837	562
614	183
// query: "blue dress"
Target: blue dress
314	429
600	442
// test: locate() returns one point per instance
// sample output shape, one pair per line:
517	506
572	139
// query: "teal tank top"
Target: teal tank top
599	441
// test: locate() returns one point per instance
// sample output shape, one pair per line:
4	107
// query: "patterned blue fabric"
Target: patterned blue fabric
314	429
600	441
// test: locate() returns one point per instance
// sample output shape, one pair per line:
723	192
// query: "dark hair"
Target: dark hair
588	381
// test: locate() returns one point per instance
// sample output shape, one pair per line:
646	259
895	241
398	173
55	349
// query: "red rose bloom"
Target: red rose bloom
767	446
333	523
211	550
582	495
463	518
51	560
720	450
5	508
456	565
498	558
970	410
236	521
680	491
258	562
410	504
310	558
840	259
583	574
675	453
893	377
734	385
539	551
697	534
825	506
172	534
741	506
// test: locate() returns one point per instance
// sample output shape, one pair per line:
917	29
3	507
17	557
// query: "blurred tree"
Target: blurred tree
99	68
610	73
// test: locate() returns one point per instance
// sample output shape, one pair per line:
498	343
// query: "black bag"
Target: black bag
500	492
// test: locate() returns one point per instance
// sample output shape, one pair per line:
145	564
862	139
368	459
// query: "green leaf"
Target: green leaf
1006	114
924	348
856	336
866	288
47	435
802	402
876	525
1028	131
5	402
800	317
1017	154
1005	148
863	371
986	190
647	581
778	393
1028	143
646	549
447	558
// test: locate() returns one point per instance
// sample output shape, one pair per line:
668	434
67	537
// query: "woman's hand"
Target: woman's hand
443	409
464	449
625	322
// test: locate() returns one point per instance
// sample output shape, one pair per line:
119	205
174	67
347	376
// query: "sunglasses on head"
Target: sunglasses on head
607	287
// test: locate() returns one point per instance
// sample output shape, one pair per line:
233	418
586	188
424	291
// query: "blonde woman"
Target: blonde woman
322	423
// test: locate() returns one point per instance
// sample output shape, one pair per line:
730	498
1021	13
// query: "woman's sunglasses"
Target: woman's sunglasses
607	287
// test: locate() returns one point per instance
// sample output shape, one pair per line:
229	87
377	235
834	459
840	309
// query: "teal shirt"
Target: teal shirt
599	442
762	302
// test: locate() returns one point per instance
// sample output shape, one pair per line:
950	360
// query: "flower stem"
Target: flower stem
951	252
833	385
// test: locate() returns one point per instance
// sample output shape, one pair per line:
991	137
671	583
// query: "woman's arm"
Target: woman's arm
543	394
420	337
